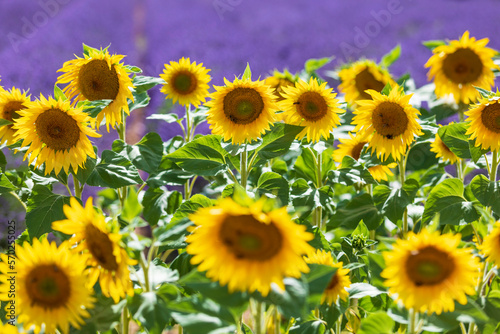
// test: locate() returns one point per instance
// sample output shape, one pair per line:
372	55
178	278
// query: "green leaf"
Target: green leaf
318	279
146	155
395	200
143	83
133	69
141	100
312	65
93	108
316	326
150	311
247	75
158	274
44	207
360	290
168	173
58	93
273	185
105	315
378	322
155	202
132	208
277	142
484	93
308	198
203	156
169	118
448	200
87	49
113	171
454	137
359	208
389	58
5	185
3	160
361	230
84	172
351	172
305	166
431	45
171	236
174	202
486	192
5	122
292	301
386	90
191	206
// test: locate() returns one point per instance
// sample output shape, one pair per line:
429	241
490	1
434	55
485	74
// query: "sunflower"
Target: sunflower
313	106
10	103
246	248
185	82
442	151
484	119
390	119
361	76
57	134
105	258
491	245
338	283
8	329
99	76
460	66
50	286
428	272
241	110
353	147
277	81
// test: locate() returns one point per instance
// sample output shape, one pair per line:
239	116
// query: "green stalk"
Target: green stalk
243	168
259	309
402	172
16	196
412	320
494	166
78	189
125	320
338	325
277	321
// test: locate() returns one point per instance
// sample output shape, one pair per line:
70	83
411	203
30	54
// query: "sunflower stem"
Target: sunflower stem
16	196
125	320
489	275
277	321
78	189
257	316
402	172
412	320
122	128
338	325
243	168
141	187
145	268
462	107
494	166
188	124
318	211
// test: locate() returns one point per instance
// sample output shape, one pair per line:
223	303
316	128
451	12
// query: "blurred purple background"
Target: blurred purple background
38	36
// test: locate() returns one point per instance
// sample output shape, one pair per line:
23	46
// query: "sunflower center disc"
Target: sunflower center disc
463	66
48	286
312	106
356	150
97	81
243	105
57	130
100	247
334	281
429	266
390	120
365	80
184	82
10	110
249	239
491	117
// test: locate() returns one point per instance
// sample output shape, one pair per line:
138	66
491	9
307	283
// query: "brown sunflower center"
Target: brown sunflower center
97	81
334	281
312	106
278	89
57	130
48	287
101	247
365	80
462	66
243	105
490	117
356	150
184	82
389	119
10	110
248	238
429	266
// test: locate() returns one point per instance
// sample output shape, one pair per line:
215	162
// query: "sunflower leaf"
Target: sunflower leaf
312	65
114	171
274	185
58	93
431	45
151	311
486	192
141	100
247	74
155	204
454	137
389	58
484	93
5	122
349	214
5	185
143	83
133	69
378	322
387	89
277	141
93	108
396	200
87	49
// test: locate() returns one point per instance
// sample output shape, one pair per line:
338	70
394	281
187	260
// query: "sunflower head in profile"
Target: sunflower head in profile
390	120
279	80
428	272
106	260
242	110
245	248
10	103
99	76
313	106
460	66
443	151
185	82
484	122
51	290
353	147
360	76
338	283
56	134
491	245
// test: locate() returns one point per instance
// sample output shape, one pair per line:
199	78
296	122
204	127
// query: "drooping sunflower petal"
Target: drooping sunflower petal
443	151
491	245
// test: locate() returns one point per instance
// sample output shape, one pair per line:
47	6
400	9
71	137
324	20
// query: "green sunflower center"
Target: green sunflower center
389	120
311	106
184	82
243	105
463	66
101	247
365	80
429	266
57	129
97	81
10	110
48	286
250	239
356	150
490	117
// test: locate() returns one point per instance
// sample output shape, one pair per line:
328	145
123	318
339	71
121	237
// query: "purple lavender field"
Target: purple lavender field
39	36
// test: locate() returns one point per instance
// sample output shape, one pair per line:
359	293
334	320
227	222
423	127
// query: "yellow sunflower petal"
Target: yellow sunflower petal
491	245
10	103
484	126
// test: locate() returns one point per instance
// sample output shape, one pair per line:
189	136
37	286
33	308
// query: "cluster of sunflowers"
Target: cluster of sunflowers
291	231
